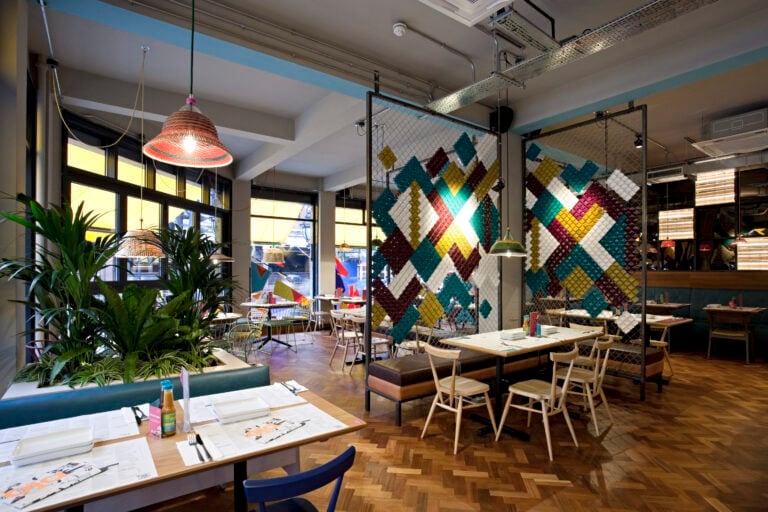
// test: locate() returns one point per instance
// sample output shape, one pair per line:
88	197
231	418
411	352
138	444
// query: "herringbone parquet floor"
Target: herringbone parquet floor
700	445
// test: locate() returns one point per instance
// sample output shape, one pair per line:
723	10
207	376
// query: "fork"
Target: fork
192	440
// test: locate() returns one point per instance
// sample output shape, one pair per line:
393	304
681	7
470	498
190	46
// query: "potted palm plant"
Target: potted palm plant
91	332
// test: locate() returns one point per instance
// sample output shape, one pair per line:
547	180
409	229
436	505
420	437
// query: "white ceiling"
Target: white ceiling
285	81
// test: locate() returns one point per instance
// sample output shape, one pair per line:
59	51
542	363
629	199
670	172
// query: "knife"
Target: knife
200	442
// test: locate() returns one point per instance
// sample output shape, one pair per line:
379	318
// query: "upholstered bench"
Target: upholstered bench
410	377
89	400
625	360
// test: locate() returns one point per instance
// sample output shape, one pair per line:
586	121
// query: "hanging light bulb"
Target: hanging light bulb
188	138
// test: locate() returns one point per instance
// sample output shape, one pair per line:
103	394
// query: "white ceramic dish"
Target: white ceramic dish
44	447
239	410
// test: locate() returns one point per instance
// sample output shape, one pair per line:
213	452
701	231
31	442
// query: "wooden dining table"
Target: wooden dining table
500	345
171	475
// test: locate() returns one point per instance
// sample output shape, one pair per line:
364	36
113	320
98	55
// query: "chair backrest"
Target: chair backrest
443	353
560	358
274	489
602	350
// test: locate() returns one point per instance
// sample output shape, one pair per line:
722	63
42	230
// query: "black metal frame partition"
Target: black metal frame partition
578	140
373	129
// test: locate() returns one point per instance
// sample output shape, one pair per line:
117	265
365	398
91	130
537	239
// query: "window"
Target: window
282	227
127	195
351	243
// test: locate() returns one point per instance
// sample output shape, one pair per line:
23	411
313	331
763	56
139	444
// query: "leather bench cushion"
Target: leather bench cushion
414	368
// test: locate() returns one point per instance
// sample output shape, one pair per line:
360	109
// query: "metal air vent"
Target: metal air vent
749	142
468	12
666	175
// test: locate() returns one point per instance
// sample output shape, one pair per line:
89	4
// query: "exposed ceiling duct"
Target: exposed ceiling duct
630	24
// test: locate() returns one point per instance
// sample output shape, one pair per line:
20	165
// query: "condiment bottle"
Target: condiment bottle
167	409
526	325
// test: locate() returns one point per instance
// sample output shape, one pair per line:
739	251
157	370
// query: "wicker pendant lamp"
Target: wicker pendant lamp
140	243
188	138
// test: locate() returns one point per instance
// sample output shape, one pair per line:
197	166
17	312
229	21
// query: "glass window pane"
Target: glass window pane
351	215
180	217
194	191
292	235
102	203
352	235
130	171
209	227
165	182
143	214
85	157
351	270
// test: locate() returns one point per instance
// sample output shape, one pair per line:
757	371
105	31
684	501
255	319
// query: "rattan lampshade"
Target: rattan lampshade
188	139
273	255
220	257
508	247
139	243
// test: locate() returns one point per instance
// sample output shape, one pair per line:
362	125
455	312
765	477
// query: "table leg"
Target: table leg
240	470
498	405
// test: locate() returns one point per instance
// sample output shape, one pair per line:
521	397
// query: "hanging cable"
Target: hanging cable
53	71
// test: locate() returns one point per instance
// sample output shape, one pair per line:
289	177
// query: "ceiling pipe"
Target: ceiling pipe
400	29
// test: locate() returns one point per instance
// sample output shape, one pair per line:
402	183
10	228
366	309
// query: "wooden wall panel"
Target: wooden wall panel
740	280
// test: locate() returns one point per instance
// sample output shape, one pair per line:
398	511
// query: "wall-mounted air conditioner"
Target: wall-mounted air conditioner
468	12
666	175
745	133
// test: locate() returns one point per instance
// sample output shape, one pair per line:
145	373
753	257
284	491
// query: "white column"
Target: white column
13	96
326	243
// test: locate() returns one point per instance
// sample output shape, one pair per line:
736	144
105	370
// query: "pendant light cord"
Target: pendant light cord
192	51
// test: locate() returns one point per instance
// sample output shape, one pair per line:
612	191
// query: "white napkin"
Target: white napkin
188	453
296	386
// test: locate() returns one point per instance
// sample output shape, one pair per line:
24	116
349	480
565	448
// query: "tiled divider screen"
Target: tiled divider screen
583	223
431	182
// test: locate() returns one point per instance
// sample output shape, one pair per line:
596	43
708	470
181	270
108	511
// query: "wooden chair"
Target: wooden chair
317	317
381	344
456	393
346	336
550	396
729	325
285	490
588	382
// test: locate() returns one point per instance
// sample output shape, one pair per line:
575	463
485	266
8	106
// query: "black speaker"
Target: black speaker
500	119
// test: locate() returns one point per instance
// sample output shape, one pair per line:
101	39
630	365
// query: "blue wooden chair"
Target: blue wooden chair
288	488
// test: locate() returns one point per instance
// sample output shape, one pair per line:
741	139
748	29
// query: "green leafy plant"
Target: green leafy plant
59	278
122	336
193	274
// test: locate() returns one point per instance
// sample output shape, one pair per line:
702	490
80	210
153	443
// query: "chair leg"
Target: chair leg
490	413
335	347
591	401
530	411
605	404
503	416
570	427
429	416
709	345
458	426
545	420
